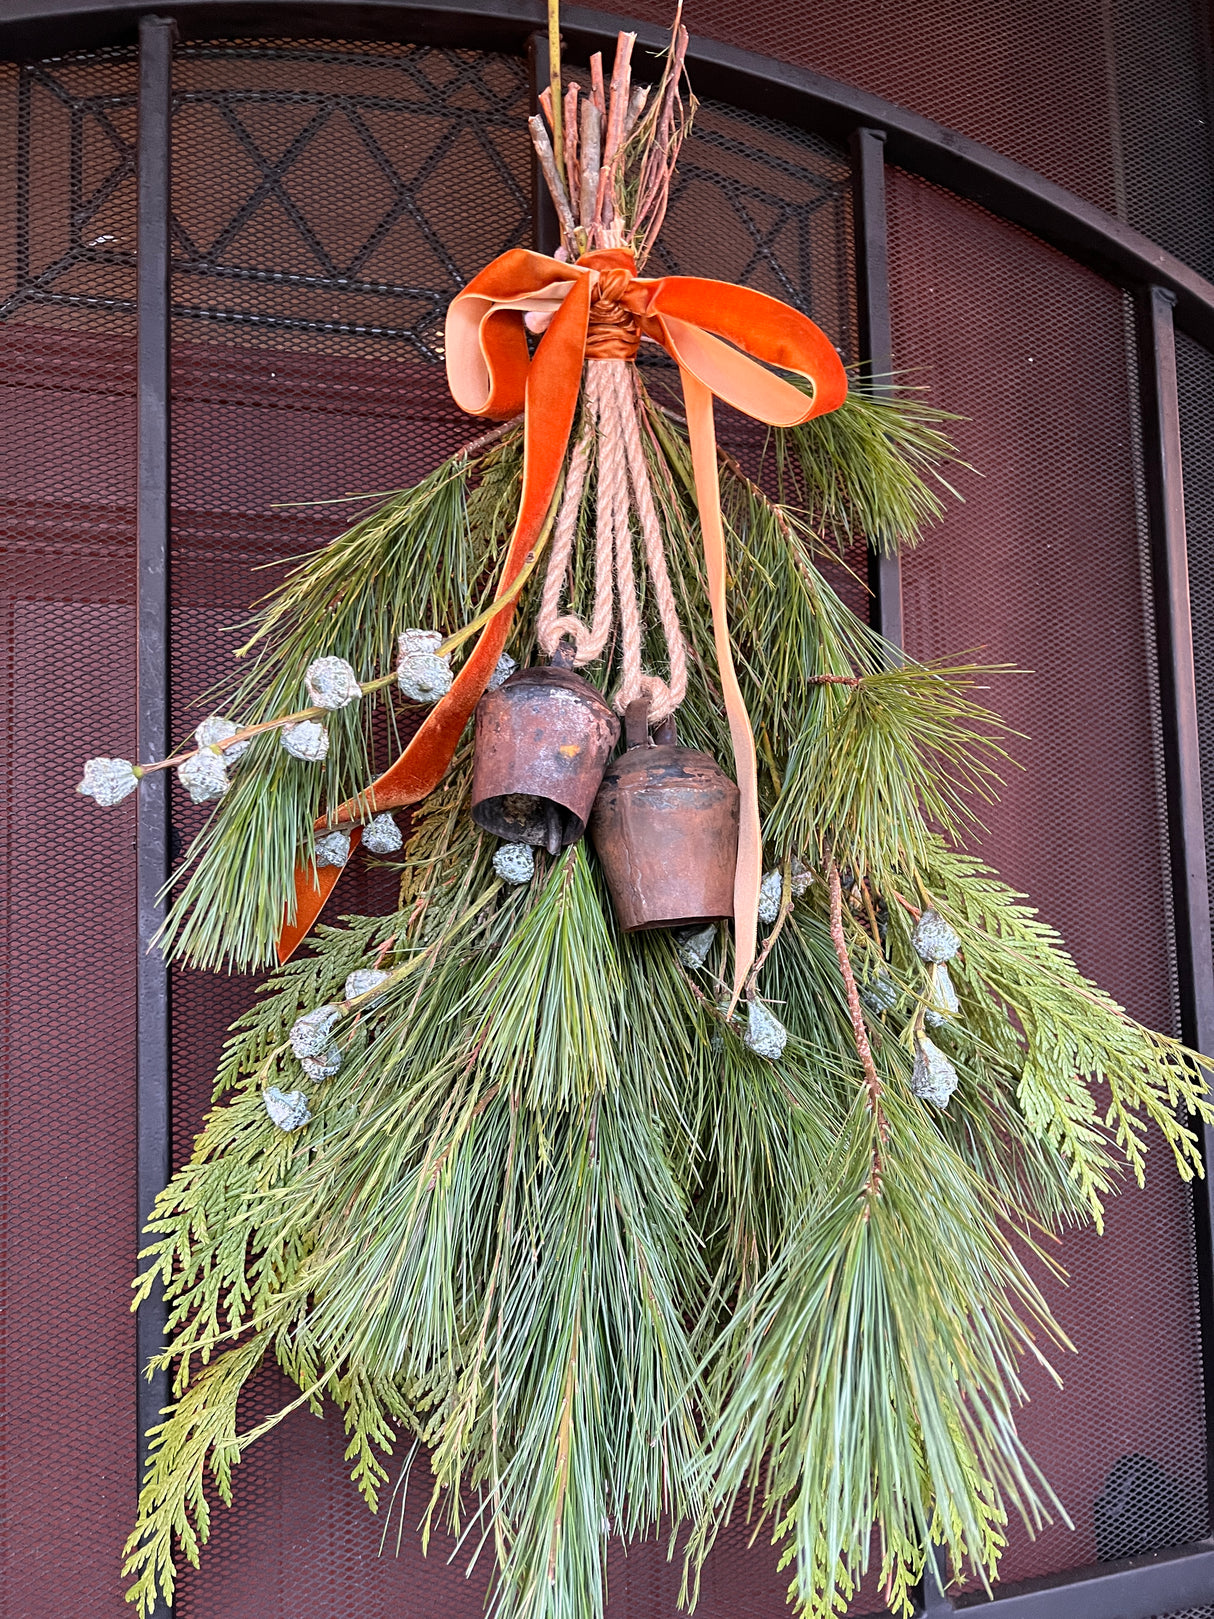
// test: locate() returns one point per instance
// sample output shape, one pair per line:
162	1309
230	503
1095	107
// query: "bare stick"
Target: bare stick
669	137
636	106
596	83
547	157
621	80
872	1079
591	131
572	173
554	80
545	101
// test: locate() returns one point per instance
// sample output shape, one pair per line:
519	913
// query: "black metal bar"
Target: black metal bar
22	222
934	1601
1135	1588
743	78
1178	701
152	847
876	338
1165	496
545	227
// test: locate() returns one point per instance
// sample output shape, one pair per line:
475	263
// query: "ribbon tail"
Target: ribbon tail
748	874
313	885
551	401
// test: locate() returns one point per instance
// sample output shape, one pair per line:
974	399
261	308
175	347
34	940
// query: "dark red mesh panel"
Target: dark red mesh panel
67	1195
1111	100
1042	567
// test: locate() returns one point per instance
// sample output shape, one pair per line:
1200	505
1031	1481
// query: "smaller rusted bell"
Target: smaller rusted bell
665	829
543	739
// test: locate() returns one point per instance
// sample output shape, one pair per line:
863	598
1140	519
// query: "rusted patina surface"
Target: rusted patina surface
665	827
543	739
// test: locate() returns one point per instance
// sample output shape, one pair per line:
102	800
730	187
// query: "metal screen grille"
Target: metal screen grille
1043	568
67	576
1195	379
329	198
1110	98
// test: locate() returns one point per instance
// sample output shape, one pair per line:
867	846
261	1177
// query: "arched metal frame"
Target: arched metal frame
1168	295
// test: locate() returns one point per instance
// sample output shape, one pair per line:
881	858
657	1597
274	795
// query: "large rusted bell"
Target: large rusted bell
665	829
543	739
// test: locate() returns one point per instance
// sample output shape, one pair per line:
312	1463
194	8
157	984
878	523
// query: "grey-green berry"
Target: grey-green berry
215	728
333	849
943	1003
765	1035
880	993
933	939
934	1078
771	892
307	740
332	683
693	944
204	776
515	863
324	1064
501	674
310	1033
422	675
382	835
287	1109
108	780
363	979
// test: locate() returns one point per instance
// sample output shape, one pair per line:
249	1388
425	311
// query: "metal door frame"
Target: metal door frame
1168	296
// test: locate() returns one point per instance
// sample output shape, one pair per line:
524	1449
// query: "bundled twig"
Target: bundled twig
611	187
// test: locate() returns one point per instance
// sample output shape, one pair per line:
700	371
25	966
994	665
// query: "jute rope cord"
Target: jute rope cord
595	135
612	431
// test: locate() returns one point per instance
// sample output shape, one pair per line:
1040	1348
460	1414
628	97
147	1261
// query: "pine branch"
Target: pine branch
425	559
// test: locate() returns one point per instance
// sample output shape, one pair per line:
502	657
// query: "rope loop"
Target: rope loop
611	432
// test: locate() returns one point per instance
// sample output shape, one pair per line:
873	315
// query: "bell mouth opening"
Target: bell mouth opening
676	922
528	818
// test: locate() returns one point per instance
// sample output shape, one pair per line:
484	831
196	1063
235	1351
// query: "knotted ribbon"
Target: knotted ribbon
722	338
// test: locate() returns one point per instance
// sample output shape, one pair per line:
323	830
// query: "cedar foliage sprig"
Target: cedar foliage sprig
553	1220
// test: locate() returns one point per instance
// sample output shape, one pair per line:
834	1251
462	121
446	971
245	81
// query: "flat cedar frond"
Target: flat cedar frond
197	1437
1065	1034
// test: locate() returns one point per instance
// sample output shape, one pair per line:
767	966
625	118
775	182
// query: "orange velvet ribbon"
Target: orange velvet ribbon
716	333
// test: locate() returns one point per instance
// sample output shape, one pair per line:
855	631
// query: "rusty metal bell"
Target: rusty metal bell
665	829
543	739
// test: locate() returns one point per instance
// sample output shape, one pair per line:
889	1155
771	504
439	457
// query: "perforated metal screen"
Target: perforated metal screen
328	199
67	956
1043	568
1110	98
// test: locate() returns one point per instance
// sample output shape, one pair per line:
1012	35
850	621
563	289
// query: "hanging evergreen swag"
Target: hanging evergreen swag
629	1217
